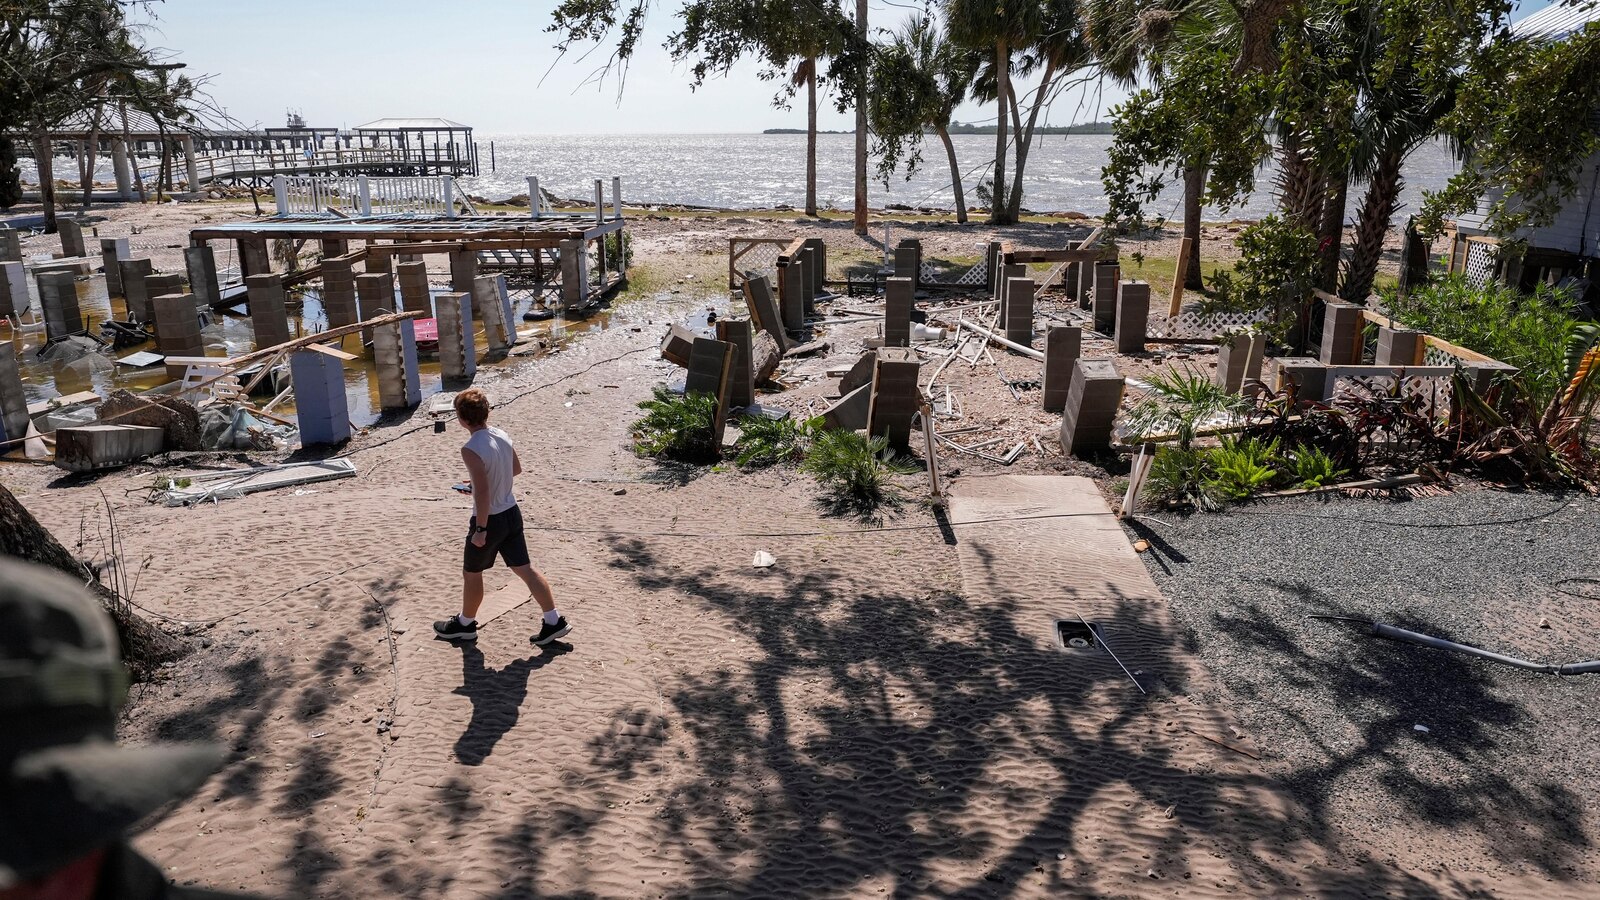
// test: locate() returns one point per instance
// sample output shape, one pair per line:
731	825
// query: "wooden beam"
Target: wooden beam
1184	249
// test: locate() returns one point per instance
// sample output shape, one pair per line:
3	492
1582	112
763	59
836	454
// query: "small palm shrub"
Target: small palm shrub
1240	467
1311	467
768	442
856	471
681	428
1179	402
1178	477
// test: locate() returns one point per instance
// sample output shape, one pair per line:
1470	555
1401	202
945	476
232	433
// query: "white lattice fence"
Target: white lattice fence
976	276
758	256
1479	267
1431	384
1192	325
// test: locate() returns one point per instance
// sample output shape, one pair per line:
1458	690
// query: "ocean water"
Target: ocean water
743	171
764	170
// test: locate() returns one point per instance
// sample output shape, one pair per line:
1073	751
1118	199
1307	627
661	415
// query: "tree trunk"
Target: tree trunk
955	174
47	181
89	154
1377	208
10	179
1194	187
1330	237
144	647
861	123
1025	138
1297	185
811	136
998	214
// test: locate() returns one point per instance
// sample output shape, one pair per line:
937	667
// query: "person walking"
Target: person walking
70	796
496	526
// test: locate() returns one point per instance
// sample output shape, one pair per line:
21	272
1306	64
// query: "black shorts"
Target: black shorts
504	538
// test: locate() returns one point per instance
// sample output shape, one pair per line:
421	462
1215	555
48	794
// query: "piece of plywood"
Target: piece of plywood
334	352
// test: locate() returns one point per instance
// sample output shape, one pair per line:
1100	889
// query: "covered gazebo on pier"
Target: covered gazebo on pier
433	146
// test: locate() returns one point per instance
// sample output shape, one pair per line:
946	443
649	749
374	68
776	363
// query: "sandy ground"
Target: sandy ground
877	715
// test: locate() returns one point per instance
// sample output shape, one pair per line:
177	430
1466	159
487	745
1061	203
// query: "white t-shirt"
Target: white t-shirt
493	446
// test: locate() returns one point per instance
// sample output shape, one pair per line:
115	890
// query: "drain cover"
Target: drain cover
1074	635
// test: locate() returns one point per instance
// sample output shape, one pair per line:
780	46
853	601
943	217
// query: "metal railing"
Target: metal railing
417	196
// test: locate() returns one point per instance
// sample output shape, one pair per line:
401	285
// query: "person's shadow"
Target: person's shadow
496	696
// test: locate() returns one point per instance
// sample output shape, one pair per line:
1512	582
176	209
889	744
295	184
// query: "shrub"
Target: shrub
1530	333
1178	476
678	427
1311	467
766	442
1240	467
1179	401
1276	271
855	470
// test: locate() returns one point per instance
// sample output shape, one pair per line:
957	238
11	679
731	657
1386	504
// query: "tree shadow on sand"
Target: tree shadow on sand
870	739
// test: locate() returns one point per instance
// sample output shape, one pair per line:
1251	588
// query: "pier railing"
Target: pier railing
316	196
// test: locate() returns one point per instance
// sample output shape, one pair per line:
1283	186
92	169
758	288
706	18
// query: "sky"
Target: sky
489	64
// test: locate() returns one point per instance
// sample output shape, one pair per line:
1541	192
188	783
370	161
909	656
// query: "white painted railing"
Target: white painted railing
317	196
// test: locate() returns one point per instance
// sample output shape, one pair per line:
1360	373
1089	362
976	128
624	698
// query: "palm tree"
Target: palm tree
789	36
1003	27
918	78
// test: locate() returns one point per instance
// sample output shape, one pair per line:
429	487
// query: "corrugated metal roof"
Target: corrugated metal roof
111	120
1557	21
410	125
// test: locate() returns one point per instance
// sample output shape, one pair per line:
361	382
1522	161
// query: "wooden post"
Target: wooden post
1186	248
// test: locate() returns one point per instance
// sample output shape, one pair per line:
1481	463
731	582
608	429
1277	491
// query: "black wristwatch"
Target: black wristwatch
478	528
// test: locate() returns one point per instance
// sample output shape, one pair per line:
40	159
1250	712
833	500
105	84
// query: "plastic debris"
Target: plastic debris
764	560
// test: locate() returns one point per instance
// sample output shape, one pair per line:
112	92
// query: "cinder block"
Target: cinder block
899	297
1133	316
1481	376
1398	347
1341	335
992	263
112	252
339	293
413	280
58	299
158	284
491	303
677	345
894	395
13	400
322	410
87	448
1062	346
13	289
1233	357
1307	376
1085	285
574	273
818	261
136	300
1019	311
1104	301
1009	272
464	268
763	308
710	372
71	232
1091	408
850	411
791	295
741	392
253	257
177	329
458	355
332	247
394	355
269	314
201	265
10	244
860	374
808	279
378	262
908	261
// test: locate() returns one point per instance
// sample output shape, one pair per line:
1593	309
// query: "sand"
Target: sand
884	712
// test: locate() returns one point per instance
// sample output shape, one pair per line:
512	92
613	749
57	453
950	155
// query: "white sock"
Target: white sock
551	617
464	620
